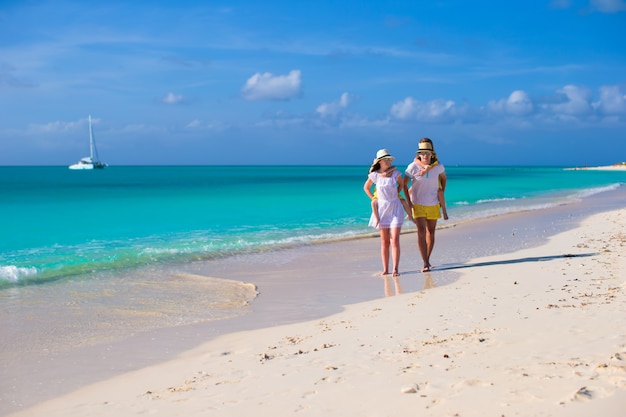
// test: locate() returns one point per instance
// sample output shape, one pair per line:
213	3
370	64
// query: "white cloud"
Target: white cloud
404	109
602	6
612	101
59	126
609	6
267	86
517	104
194	123
333	108
210	125
576	101
356	121
568	103
435	110
172	98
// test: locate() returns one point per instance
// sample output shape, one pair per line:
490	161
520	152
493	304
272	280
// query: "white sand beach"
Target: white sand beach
615	167
537	332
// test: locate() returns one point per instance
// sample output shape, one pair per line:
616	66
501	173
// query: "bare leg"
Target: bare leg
375	211
421	243
385	237
430	236
395	248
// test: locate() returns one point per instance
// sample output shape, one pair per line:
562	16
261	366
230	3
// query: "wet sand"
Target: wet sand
305	290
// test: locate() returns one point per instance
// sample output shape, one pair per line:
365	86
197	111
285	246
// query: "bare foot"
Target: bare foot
427	268
396	274
382	274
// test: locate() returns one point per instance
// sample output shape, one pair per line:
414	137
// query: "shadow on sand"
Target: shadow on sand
512	261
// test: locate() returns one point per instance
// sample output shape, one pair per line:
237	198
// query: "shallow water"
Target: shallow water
95	256
98	327
58	224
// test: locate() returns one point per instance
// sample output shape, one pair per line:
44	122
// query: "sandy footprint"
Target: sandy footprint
583	394
475	383
309	394
330	380
615	374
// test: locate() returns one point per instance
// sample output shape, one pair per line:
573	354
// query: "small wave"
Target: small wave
311	238
14	274
210	247
495	200
588	192
464	203
496	211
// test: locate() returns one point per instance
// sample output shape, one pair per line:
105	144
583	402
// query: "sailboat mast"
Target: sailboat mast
90	140
93	151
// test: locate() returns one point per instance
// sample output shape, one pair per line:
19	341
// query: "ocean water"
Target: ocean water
57	224
160	257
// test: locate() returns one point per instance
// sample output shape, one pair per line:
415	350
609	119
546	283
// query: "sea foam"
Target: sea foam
14	274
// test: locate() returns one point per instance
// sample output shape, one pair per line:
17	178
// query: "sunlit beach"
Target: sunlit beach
312	209
536	333
615	167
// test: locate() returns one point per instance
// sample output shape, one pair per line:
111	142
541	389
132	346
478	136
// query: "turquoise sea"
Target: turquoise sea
57	224
103	272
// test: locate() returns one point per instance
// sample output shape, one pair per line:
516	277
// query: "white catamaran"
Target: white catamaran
92	161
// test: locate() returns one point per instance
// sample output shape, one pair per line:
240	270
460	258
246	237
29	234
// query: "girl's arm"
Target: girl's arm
400	182
367	187
440	194
405	188
423	165
419	162
442	180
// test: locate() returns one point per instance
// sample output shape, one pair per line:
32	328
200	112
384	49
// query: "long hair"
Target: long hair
375	167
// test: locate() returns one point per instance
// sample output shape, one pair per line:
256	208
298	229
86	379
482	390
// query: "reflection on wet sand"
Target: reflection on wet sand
428	281
396	283
392	285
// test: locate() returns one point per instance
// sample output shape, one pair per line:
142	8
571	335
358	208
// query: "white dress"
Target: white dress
390	208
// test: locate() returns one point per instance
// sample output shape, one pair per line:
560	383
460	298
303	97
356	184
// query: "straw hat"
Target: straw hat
382	154
425	147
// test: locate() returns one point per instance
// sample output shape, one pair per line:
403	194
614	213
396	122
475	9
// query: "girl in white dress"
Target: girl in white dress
390	210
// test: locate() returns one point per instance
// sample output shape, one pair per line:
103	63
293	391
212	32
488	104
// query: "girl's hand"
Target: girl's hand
424	171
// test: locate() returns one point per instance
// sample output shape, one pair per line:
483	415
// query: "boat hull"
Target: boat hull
81	166
96	165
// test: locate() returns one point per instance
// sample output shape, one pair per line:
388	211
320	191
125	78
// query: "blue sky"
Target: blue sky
313	82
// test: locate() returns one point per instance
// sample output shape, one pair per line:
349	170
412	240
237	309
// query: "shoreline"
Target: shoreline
26	267
317	296
532	332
